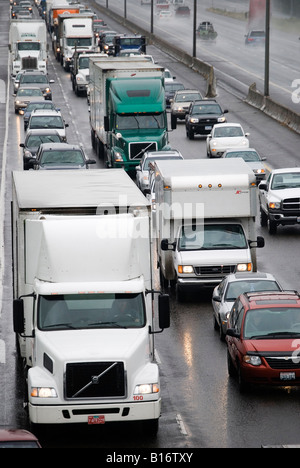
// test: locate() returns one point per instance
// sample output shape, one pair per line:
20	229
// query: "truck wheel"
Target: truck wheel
180	293
272	226
163	281
263	218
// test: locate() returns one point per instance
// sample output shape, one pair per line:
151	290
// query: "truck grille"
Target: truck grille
29	62
136	150
292	204
214	270
283	362
95	380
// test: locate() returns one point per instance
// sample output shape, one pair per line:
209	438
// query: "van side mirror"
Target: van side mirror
165	245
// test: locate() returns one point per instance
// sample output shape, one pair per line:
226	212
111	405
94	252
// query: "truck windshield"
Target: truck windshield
137	121
212	237
28	46
83	311
79	41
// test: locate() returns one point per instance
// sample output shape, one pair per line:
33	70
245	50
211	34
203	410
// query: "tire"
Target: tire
191	134
173	120
272	226
230	367
263	218
221	333
180	293
150	427
243	386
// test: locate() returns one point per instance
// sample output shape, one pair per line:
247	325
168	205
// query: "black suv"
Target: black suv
202	116
39	79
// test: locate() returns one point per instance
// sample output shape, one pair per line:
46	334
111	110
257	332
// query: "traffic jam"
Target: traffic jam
191	223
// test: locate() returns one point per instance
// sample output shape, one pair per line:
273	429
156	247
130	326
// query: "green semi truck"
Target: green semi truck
127	110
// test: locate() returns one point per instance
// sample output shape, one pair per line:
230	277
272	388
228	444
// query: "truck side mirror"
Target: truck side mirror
164	311
106	124
263	186
18	315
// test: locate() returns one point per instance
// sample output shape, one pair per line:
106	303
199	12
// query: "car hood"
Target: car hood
255	165
229	141
271	345
285	193
206	116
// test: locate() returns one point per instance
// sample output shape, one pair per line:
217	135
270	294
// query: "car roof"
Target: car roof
60	146
46	112
16	434
158	154
272	298
187	90
41	131
250	275
228	124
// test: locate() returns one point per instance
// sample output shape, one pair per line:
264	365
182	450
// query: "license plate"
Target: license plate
96	419
287	376
208	127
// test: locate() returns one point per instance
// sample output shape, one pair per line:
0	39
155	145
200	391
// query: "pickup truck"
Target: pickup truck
279	199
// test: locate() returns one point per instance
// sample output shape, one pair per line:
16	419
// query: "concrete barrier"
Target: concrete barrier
278	112
203	68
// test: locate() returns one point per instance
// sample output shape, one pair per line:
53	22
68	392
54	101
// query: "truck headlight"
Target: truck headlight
117	156
274	205
194	120
244	267
43	392
47	90
144	389
221	119
253	360
185	269
259	171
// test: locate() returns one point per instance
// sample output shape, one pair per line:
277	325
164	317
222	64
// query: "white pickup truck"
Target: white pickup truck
279	199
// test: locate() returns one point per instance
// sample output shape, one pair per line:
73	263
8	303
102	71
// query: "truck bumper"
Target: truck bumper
72	414
185	282
284	219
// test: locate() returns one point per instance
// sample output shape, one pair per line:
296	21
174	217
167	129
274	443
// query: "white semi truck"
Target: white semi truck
84	304
28	45
205	221
75	32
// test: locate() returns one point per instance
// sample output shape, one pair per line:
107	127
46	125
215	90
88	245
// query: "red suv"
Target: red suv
263	339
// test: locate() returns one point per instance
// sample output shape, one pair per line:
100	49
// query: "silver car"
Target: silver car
25	95
231	287
142	170
252	158
181	102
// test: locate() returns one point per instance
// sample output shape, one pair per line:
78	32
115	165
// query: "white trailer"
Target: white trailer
83	297
205	220
28	45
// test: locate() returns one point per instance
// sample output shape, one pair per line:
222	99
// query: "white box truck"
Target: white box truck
28	45
127	110
205	220
84	308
